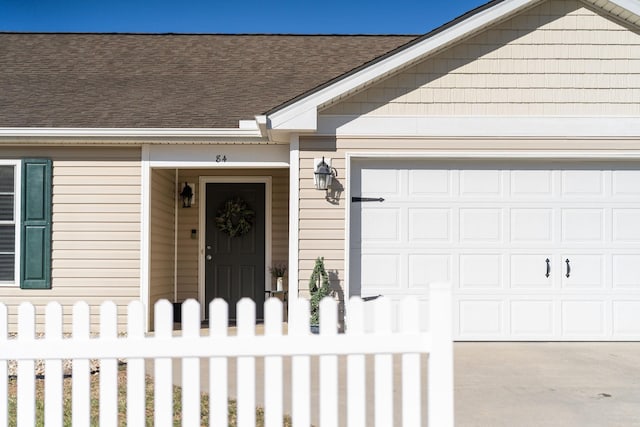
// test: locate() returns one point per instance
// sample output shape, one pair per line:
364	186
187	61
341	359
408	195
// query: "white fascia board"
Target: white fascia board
288	116
126	134
479	126
632	6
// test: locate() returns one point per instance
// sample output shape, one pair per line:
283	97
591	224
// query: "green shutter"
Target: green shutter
35	253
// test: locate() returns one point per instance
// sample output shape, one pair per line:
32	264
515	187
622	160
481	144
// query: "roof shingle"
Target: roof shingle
167	80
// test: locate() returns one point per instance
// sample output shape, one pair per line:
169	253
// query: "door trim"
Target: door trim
202	184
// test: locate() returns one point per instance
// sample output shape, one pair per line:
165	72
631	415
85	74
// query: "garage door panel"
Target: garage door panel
626	318
586	271
381	225
429	268
579	225
582	183
430	183
626	271
380	270
626	225
625	183
480	271
429	225
583	318
531	318
531	225
531	183
380	181
476	183
480	317
530	271
481	225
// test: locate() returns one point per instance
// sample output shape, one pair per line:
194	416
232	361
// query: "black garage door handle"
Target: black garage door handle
568	267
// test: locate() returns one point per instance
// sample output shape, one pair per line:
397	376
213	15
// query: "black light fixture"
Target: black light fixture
187	195
323	175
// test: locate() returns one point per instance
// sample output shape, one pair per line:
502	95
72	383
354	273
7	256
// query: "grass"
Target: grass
122	403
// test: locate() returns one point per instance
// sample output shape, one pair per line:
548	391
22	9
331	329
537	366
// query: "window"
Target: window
9	222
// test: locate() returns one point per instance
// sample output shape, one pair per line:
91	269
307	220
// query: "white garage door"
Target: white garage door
534	251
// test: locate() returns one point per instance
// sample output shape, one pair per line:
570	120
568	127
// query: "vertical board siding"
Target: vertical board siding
95	230
163	198
188	220
558	58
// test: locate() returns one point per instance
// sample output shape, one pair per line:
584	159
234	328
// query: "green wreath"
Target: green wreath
234	217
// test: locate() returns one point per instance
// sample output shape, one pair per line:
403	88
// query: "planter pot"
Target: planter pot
280	284
315	329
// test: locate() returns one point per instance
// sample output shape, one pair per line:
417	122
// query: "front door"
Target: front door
235	265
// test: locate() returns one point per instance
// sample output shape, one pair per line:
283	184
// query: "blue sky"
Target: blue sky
231	16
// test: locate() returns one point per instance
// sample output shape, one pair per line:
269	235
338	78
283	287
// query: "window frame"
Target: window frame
17	219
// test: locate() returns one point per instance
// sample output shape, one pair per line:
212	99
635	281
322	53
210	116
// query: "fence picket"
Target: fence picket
53	367
163	368
4	382
246	366
108	367
411	395
300	366
356	393
191	366
383	363
135	367
26	385
328	366
440	384
80	379
273	366
218	380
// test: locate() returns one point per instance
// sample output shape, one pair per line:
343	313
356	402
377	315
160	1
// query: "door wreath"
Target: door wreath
234	217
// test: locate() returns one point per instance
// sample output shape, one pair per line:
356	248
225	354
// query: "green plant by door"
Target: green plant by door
319	288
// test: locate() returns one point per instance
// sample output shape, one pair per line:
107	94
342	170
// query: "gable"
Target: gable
558	58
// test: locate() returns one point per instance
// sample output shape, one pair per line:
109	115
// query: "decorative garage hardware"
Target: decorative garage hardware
367	199
235	217
187	195
568	267
323	173
548	267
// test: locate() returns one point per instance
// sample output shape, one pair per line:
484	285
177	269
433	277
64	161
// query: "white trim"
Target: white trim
46	132
17	219
176	223
219	156
145	233
297	116
267	181
294	212
586	155
478	126
630	5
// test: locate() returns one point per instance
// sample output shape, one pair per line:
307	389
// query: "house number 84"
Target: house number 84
221	158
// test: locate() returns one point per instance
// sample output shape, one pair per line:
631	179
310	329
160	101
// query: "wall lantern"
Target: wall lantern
323	174
187	195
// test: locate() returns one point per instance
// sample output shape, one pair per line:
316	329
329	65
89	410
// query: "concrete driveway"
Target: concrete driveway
509	384
547	384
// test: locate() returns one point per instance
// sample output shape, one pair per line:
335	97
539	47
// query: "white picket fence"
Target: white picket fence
218	347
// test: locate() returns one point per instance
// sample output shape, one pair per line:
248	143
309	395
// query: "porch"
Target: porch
189	256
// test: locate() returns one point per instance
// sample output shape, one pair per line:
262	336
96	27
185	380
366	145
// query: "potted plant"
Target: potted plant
277	272
319	288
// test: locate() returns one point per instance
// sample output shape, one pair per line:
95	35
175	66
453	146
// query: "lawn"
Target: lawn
122	403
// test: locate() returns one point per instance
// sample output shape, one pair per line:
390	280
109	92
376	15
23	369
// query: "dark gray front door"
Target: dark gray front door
234	266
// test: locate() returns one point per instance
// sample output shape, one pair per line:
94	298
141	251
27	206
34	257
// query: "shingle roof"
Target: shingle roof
167	80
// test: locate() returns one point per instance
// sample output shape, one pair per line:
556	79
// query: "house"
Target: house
499	152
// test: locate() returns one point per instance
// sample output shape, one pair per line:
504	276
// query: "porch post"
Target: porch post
145	232
294	197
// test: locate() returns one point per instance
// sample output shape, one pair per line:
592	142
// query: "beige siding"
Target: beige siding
559	58
188	220
163	200
96	230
